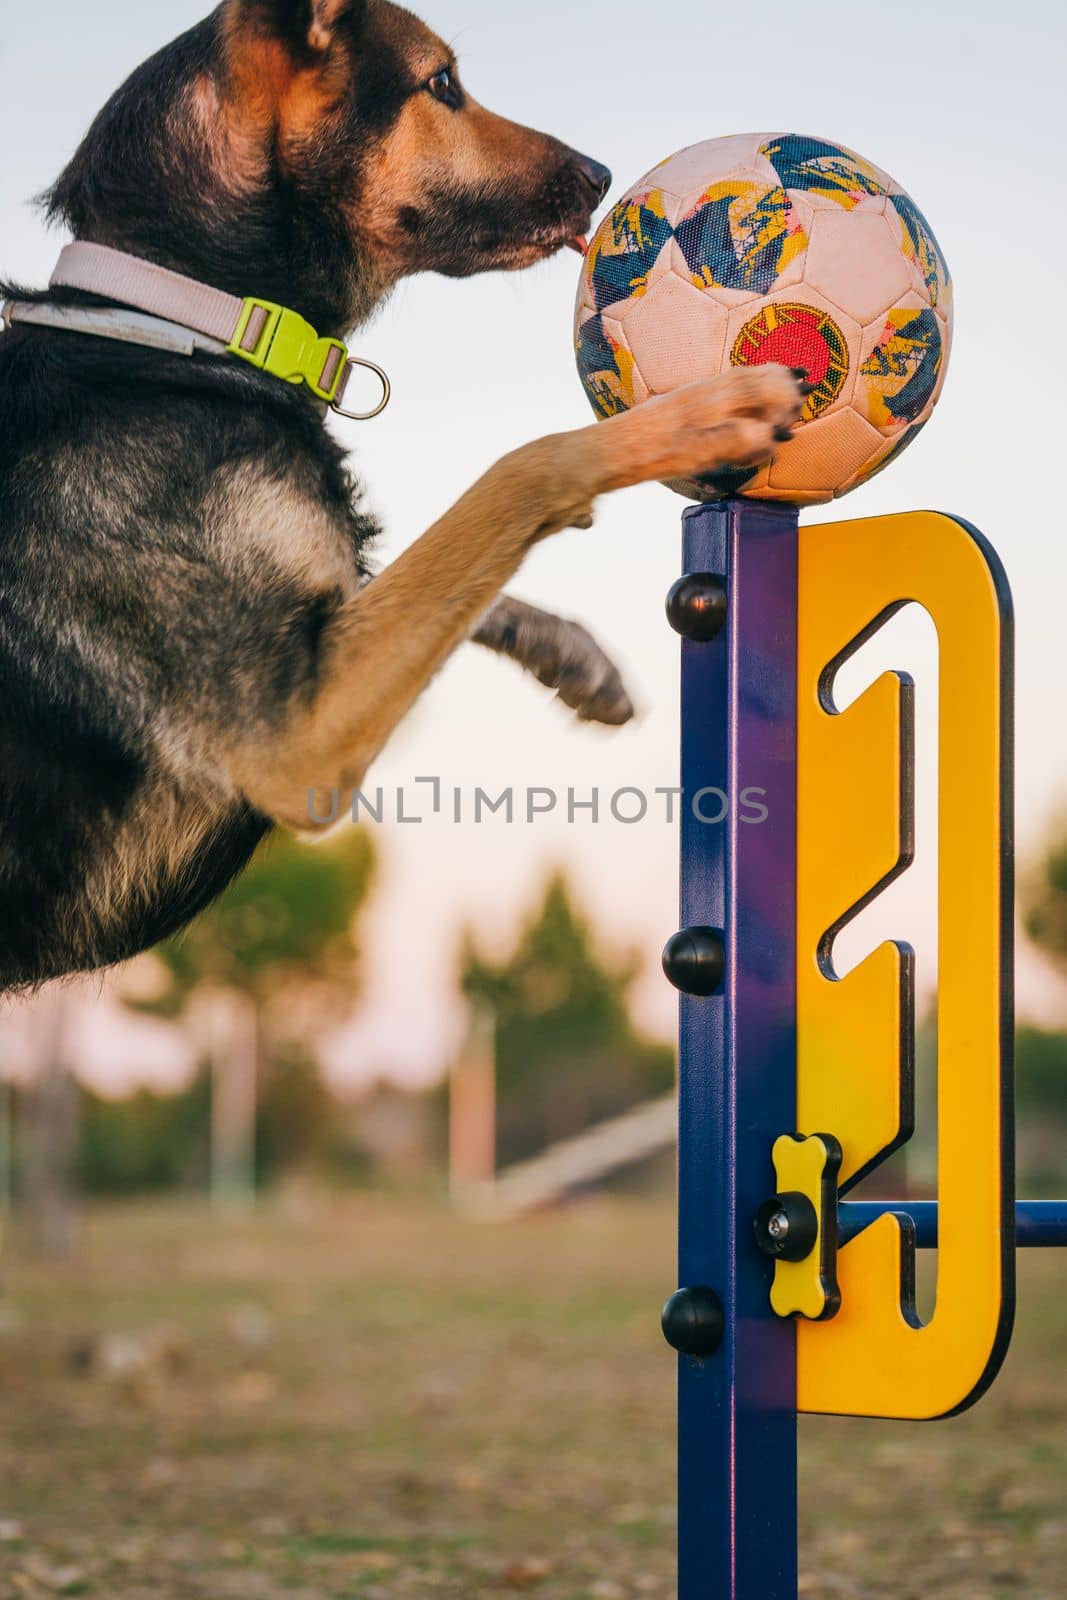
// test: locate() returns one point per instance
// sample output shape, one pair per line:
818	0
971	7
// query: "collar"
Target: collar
185	316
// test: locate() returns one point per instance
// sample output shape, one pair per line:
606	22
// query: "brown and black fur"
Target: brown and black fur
191	637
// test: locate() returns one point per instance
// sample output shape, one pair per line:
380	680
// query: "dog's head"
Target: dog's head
320	150
366	98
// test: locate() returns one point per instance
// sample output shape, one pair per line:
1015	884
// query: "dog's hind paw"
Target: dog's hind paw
562	655
589	681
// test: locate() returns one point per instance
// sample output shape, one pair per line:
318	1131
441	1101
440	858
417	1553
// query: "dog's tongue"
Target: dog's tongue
579	243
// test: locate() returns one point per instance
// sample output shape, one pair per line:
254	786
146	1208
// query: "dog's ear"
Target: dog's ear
314	25
326	16
288	63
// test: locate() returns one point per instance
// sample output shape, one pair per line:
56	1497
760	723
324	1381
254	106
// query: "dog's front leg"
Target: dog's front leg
560	654
385	645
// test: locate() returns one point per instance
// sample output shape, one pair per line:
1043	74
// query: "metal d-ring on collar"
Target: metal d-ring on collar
383	379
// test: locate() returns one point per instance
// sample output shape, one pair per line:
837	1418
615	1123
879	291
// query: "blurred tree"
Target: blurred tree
275	960
1041	1057
297	1117
287	921
1041	1102
49	1167
7	1149
146	1142
1041	1074
150	1142
1045	897
567	1051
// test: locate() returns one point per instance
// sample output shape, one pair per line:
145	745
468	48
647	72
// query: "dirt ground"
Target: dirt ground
365	1399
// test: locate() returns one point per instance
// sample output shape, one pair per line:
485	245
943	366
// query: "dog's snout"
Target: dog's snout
597	176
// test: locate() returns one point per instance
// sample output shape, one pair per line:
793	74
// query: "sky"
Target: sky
963	105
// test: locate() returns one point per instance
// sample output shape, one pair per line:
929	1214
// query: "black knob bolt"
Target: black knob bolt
694	960
787	1227
696	607
693	1322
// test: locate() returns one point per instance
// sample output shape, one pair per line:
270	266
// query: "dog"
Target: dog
192	635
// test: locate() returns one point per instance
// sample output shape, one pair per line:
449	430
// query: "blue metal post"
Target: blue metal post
737	1064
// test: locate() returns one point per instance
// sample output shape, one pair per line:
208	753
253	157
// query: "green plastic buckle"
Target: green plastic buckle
289	348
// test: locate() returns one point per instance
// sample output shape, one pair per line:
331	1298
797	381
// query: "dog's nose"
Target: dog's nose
598	177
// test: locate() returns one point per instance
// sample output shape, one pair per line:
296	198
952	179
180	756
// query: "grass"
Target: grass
368	1400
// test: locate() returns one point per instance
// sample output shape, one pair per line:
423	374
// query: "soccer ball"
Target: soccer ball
773	247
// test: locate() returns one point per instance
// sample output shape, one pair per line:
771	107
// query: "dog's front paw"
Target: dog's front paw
735	420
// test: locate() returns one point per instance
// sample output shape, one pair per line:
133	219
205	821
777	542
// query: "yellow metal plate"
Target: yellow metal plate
855	1034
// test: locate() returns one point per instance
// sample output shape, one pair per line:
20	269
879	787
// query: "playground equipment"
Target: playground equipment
795	1084
572	1165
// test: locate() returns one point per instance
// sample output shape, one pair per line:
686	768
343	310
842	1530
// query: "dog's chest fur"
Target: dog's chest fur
174	540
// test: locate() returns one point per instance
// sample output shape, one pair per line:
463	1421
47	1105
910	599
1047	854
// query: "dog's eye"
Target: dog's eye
443	87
